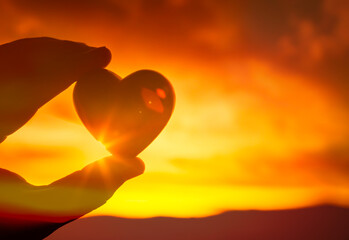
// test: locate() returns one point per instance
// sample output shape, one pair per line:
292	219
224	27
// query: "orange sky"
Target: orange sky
261	113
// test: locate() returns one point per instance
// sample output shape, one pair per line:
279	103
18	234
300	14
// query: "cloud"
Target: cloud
261	85
309	38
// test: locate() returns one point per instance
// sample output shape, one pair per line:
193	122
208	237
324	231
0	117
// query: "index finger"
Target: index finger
34	70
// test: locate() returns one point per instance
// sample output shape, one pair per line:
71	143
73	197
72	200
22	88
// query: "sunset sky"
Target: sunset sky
262	93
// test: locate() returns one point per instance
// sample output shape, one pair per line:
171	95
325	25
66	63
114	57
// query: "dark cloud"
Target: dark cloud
70	9
256	27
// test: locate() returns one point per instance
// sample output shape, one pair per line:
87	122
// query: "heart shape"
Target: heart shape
125	115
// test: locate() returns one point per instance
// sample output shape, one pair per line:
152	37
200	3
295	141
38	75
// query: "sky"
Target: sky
261	101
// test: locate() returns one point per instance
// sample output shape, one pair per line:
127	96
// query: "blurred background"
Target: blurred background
261	118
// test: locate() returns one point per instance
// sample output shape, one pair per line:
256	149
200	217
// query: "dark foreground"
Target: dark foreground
315	223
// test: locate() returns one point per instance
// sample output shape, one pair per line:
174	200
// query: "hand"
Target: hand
32	72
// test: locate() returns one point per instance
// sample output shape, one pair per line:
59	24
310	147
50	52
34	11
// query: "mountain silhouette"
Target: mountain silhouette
313	223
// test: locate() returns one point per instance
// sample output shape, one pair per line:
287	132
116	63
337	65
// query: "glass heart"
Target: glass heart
125	115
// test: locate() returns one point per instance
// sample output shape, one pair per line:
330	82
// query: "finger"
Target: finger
60	73
43	67
33	71
125	168
24	56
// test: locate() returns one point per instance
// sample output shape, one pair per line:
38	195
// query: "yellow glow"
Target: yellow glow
247	149
255	126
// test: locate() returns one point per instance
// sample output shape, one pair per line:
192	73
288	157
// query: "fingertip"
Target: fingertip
99	57
105	56
140	166
136	167
125	168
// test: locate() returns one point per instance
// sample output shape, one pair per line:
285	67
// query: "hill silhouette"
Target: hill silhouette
313	223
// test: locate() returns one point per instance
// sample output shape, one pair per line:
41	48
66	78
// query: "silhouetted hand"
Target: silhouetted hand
32	72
